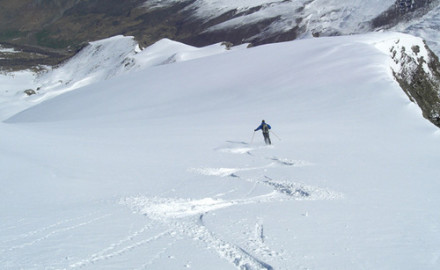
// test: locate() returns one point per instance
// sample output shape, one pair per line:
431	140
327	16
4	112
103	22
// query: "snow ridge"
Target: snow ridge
121	55
99	61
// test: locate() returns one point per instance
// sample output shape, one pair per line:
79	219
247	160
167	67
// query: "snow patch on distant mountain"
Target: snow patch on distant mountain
7	50
310	17
426	27
323	16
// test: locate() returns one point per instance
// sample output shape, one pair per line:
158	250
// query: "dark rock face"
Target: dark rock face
30	92
419	78
402	10
31	57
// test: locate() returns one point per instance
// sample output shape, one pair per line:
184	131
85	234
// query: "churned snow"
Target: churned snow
131	158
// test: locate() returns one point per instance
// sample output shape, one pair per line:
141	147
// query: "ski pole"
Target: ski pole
252	140
275	135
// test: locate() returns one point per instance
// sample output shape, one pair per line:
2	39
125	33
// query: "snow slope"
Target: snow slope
159	167
99	61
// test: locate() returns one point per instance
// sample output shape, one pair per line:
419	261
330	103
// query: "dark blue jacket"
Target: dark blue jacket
261	126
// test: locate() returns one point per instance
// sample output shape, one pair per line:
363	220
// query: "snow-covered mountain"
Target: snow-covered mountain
145	157
320	17
281	20
99	61
68	25
152	161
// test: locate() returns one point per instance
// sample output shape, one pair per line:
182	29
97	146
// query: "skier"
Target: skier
405	5
265	128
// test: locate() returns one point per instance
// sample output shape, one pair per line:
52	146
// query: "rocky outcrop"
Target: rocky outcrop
30	92
417	70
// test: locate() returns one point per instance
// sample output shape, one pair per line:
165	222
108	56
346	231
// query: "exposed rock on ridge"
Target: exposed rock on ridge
417	70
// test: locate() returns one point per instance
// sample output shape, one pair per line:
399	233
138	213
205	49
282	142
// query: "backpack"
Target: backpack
265	128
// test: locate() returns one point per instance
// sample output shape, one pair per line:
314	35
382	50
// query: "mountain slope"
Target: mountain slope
61	28
158	168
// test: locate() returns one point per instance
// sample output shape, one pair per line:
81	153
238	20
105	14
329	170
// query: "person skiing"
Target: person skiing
265	128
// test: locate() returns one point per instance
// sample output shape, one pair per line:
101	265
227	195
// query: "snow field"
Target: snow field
154	168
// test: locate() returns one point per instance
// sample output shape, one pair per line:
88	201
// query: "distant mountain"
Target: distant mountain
49	31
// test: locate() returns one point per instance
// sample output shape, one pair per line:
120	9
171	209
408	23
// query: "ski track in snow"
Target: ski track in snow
43	229
141	237
28	240
177	218
158	255
11	227
186	215
121	247
290	162
234	254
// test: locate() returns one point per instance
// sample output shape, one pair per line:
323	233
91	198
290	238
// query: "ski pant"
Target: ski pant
266	138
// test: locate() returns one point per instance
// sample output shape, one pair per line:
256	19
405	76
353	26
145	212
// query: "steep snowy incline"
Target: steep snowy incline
159	168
